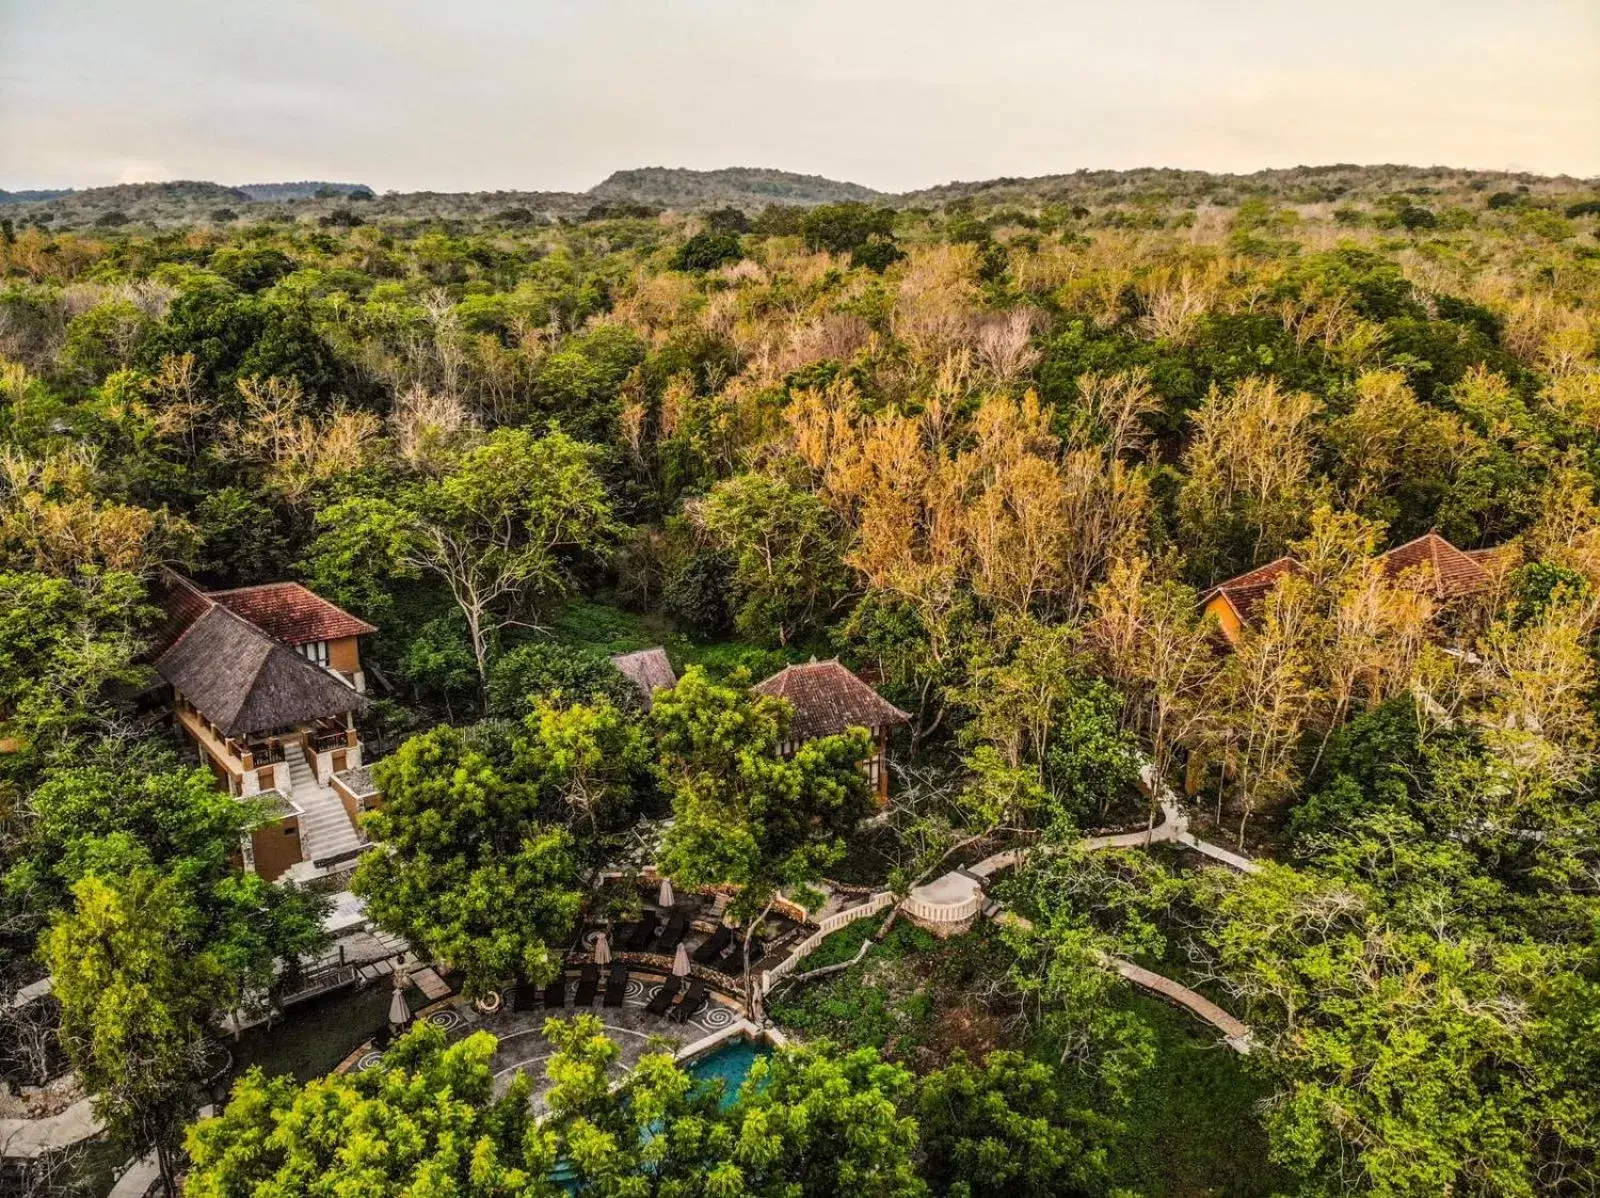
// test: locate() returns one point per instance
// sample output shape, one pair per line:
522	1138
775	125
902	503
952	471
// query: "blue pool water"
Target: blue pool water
730	1064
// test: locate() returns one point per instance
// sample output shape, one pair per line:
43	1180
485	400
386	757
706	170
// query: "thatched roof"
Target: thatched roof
649	670
827	699
243	681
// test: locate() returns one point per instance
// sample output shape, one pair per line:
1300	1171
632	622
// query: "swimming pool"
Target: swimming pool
729	1063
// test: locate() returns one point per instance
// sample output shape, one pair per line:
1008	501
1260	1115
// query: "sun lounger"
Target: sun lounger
555	994
694	999
588	983
713	948
672	936
664	996
643	933
524	995
616	985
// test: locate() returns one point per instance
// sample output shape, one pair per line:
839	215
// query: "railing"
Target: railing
324	742
771	977
267	752
946	912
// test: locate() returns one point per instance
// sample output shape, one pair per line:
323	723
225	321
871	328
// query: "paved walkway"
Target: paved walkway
958	885
28	1139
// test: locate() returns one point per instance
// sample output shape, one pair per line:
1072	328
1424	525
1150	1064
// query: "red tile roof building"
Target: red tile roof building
1451	573
1237	602
290	613
828	699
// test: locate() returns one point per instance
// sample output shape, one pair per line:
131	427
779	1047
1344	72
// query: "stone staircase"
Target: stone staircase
325	829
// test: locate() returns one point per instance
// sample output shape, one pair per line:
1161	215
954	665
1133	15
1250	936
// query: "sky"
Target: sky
465	95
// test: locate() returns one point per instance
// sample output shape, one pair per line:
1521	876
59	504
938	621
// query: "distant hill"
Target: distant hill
189	203
309	189
675	187
32	197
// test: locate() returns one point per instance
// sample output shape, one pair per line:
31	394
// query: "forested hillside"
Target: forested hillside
991	445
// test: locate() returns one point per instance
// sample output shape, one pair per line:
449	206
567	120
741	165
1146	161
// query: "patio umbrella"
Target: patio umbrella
664	898
602	950
680	963
399	1012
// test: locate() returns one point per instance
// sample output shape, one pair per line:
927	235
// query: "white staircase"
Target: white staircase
325	829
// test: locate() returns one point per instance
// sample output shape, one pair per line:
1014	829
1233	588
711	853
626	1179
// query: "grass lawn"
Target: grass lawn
314	1036
1192	1125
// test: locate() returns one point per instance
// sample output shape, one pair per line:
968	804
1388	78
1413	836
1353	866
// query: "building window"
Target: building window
316	651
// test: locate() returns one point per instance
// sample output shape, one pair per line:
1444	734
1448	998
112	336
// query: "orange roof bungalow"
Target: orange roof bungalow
828	699
1237	602
1451	574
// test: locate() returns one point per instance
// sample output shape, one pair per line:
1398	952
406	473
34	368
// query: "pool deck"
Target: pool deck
635	1031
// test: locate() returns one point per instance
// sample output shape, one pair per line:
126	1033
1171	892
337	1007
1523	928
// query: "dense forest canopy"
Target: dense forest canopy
992	444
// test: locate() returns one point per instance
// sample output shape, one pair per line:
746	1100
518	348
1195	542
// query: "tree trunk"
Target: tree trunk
169	1185
749	982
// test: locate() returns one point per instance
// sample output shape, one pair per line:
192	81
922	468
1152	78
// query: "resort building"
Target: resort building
829	699
1447	573
649	670
1237	603
266	682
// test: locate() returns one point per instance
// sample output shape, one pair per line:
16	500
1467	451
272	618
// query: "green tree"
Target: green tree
64	642
133	1011
463	866
500	530
707	251
787	571
744	814
1007	1128
1411	1059
424	1122
841	228
818	1122
550	670
127	810
592	758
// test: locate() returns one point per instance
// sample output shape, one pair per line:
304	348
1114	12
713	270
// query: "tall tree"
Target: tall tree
134	1011
424	1122
464	867
1248	478
500	530
744	814
785	551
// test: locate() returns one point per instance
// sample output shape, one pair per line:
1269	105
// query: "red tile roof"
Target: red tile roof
1249	591
292	614
1454	573
828	699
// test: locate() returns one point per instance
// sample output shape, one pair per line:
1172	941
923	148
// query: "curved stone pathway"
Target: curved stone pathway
29	1139
956	896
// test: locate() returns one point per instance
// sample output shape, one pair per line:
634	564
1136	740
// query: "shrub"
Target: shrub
707	251
540	669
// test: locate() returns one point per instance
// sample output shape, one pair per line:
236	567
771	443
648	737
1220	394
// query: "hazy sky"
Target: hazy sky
555	94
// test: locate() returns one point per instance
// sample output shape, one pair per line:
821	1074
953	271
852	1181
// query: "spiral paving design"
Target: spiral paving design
636	989
367	1060
445	1018
715	1017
